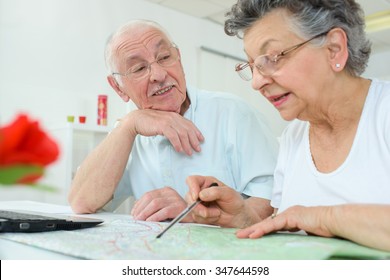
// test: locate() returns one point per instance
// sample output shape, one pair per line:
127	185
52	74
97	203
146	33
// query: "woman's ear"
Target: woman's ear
115	85
338	49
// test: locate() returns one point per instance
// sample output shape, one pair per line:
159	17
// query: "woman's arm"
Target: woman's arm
366	224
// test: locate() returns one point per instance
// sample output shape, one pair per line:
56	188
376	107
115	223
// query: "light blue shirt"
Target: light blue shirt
239	149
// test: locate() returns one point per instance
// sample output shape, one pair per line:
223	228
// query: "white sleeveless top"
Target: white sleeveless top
364	177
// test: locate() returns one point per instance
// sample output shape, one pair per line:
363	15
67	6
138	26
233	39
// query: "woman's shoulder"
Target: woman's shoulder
380	90
378	99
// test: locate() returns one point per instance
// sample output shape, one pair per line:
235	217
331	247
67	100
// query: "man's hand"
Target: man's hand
184	136
159	205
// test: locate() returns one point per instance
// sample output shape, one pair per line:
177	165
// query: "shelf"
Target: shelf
76	141
81	127
89	127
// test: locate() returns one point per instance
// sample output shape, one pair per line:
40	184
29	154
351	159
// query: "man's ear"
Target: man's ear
338	49
115	85
178	51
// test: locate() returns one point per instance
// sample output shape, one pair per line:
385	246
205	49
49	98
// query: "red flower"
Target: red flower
24	147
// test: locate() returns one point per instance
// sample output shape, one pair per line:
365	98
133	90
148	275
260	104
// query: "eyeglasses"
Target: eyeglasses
141	70
267	64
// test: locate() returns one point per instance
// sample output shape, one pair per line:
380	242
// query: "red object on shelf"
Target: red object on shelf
102	110
82	119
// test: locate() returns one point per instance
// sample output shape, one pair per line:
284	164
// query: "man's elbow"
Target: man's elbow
81	206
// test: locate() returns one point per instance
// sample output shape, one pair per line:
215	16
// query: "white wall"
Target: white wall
51	53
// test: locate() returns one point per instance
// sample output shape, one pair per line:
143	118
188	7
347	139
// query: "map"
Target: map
125	238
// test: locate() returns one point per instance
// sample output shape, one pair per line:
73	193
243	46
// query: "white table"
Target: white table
10	250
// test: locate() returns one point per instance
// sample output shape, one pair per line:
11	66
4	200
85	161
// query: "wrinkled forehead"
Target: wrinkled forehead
137	41
267	32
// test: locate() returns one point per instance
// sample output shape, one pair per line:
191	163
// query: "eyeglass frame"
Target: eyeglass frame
241	66
149	66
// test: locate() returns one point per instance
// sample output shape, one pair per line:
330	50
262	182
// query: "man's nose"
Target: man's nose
157	72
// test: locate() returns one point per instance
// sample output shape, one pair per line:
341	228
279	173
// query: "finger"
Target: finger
175	131
134	208
205	219
153	201
174	139
184	135
213	194
254	231
144	201
149	210
194	183
259	232
165	213
160	215
190	136
139	206
188	198
185	141
195	138
205	212
168	205
266	226
244	233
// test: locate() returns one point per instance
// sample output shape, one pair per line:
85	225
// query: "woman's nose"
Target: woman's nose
259	81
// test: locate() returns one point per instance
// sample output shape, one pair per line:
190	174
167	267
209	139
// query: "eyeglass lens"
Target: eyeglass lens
141	69
267	64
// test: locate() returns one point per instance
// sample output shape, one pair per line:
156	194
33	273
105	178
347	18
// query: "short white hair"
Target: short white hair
127	28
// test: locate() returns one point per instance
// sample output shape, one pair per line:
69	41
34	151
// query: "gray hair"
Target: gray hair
309	18
127	28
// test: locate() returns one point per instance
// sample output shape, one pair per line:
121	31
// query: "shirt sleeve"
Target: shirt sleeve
279	173
254	156
291	135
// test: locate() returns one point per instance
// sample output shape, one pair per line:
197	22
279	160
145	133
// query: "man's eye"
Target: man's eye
138	68
164	57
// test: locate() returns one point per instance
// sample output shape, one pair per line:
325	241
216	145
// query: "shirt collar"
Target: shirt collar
192	95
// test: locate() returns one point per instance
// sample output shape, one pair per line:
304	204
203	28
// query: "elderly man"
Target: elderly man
177	131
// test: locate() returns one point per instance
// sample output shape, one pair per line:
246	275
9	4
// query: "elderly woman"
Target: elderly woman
333	171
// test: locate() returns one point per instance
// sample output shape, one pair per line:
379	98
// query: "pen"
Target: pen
183	214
